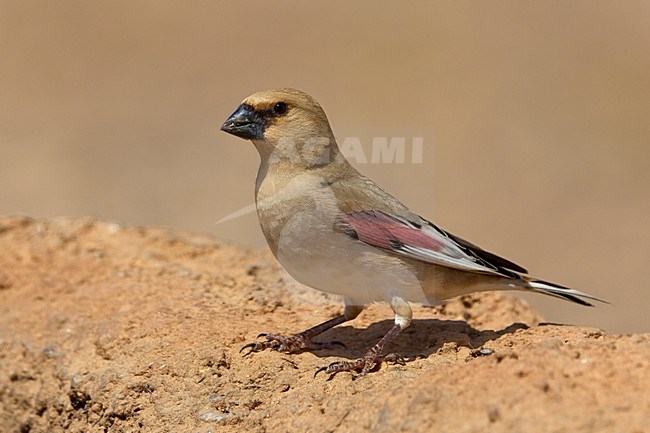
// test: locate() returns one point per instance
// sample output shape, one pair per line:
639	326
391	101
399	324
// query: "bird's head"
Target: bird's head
286	124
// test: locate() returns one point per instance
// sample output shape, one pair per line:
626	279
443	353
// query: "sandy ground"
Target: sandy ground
109	328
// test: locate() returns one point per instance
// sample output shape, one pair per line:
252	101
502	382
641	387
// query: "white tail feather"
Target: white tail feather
560	291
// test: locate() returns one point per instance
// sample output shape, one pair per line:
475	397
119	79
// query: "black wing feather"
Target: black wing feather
504	266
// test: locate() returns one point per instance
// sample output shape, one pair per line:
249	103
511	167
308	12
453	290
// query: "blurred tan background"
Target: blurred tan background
538	142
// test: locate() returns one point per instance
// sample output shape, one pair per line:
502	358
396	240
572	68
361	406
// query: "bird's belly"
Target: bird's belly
298	219
336	263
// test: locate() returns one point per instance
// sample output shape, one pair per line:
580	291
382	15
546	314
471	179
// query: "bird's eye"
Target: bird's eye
280	108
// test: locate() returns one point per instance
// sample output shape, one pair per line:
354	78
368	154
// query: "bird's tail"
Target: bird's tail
558	291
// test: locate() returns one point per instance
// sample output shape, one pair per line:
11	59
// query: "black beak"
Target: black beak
245	123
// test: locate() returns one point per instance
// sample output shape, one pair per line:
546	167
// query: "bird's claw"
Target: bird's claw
294	344
362	366
254	347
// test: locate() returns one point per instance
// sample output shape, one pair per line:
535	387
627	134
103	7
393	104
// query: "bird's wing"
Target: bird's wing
421	240
485	255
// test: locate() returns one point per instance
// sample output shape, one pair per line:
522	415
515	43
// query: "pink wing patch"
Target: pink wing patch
383	231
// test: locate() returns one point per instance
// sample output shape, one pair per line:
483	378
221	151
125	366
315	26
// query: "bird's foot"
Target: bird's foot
370	362
294	344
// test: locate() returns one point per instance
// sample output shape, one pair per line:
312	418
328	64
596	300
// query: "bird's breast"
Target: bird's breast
298	217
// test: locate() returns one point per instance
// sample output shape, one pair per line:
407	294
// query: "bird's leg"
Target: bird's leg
374	357
304	340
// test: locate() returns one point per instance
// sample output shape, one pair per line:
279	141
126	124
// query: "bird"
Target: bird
337	231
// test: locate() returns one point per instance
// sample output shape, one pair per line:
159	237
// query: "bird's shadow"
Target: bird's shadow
423	338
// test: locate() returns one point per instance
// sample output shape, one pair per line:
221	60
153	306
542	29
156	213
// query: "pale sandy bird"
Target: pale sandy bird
337	231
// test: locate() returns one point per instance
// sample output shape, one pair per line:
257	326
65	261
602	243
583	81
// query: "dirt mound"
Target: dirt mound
111	328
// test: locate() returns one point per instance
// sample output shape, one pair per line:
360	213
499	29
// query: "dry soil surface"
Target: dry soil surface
110	328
